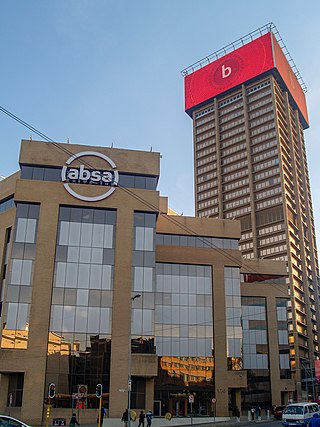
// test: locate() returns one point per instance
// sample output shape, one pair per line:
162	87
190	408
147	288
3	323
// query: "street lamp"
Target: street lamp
129	361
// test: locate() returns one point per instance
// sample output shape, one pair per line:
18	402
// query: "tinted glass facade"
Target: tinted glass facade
81	312
233	317
184	335
144	263
256	352
19	290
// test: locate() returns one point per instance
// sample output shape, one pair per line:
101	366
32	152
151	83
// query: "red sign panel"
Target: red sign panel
231	70
251	60
317	370
290	79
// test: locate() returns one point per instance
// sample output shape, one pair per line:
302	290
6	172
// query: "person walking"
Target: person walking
73	420
125	418
149	418
141	419
252	411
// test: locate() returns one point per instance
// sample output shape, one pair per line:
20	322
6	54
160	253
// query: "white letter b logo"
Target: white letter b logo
226	71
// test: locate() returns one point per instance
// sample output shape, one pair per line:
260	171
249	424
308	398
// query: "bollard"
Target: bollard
268	414
249	416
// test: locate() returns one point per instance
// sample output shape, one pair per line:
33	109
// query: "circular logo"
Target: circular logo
227	71
82	175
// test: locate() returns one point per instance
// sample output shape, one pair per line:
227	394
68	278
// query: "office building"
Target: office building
91	259
248	107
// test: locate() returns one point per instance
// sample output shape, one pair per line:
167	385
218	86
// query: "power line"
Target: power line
149	205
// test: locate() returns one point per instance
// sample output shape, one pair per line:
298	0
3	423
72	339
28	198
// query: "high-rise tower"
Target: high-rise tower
249	112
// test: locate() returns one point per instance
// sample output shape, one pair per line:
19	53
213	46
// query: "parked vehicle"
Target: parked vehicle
278	410
299	414
6	421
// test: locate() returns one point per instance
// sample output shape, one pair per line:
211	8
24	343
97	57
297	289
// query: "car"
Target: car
7	421
278	411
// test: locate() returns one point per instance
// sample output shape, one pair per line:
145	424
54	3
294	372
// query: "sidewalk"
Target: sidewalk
199	422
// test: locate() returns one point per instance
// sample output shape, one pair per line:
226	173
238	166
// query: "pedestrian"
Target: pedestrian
149	418
73	420
125	418
314	421
258	413
141	419
252	411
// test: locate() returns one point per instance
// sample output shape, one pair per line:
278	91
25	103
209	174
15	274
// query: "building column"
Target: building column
121	315
4	384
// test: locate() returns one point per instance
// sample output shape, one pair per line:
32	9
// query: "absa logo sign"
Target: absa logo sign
82	175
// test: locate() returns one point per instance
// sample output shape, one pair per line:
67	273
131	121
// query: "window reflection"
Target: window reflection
81	311
183	321
180	376
18	298
233	317
78	359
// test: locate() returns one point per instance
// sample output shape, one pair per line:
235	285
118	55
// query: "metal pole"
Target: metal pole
99	416
313	386
129	361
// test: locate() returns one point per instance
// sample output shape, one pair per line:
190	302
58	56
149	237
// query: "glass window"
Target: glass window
64	233
94	298
74	233
97	235
86	234
71	275
70	296
73	253
107	277
26	272
108	236
16	271
96	255
22	317
85	255
31	230
93	320
68	318
95	276
21	227
105	323
84	276
81	319
82	297
13	293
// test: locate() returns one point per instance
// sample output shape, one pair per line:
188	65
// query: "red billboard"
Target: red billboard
248	61
290	80
317	370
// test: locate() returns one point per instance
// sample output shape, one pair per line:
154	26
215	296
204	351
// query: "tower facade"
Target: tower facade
249	114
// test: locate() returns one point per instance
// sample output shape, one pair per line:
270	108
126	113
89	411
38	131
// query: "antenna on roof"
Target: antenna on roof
150	149
68	141
112	145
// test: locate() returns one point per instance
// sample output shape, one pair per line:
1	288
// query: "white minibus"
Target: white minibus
299	414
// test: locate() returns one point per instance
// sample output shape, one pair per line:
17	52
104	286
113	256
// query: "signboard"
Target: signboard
233	69
290	80
214	400
191	398
83	175
317	370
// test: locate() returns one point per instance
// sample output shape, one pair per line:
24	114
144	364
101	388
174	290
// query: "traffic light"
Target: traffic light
99	390
52	391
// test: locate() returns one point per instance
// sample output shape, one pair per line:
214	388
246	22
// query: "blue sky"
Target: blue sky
101	71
